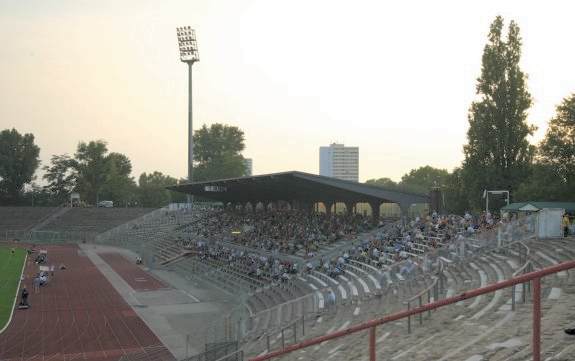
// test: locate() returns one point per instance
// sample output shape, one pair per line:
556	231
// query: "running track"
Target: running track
78	316
131	273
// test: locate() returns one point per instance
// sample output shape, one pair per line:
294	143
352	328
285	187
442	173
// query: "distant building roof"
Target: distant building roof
537	206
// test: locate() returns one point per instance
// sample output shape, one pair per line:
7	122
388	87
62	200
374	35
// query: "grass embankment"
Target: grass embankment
10	271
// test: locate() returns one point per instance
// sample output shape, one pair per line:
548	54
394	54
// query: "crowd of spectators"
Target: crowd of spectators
285	231
253	264
269	234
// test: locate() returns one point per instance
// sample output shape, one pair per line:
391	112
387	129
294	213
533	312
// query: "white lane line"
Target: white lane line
496	297
360	280
418	345
16	295
356	311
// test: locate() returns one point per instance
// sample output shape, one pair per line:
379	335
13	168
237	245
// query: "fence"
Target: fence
534	277
430	262
220	351
48	236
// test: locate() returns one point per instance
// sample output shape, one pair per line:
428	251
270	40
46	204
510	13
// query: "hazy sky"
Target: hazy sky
394	78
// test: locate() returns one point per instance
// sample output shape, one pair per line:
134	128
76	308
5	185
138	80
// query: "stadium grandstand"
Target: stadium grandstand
257	269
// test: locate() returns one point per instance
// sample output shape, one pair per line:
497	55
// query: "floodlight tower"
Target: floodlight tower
189	55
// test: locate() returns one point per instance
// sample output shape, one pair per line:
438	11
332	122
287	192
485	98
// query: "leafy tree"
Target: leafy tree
18	163
152	189
498	154
101	175
423	178
36	195
382	182
543	184
558	147
61	177
553	176
217	152
90	163
119	186
454	193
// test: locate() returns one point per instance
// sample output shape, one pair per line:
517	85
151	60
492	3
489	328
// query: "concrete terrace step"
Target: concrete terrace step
486	269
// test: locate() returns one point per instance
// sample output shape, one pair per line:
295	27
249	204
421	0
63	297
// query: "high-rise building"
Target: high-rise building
248	164
339	161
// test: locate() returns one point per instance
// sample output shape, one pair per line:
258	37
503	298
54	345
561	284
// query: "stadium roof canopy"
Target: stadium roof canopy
298	186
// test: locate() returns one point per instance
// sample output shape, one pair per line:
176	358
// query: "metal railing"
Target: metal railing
222	351
534	277
48	236
436	287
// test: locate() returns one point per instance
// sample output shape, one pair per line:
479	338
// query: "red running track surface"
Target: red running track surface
132	274
77	316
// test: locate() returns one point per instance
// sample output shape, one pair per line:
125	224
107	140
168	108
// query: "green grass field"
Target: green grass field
10	268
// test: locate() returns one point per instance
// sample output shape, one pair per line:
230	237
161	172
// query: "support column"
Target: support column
404	207
328	205
349	207
298	205
435	203
375	210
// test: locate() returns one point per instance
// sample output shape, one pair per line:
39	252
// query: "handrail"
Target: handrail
424	291
527	260
371	325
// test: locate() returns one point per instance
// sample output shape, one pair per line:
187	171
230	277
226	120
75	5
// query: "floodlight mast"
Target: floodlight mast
189	54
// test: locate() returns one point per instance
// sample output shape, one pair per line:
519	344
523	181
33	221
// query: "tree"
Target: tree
152	190
61	177
18	163
383	183
118	186
454	193
558	147
217	152
90	163
498	155
101	175
421	180
543	184
553	176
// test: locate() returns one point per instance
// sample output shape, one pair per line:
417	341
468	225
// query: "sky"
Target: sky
395	78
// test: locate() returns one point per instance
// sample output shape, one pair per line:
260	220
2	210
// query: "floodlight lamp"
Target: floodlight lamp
188	45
